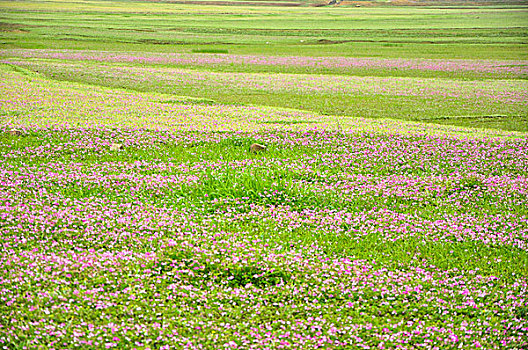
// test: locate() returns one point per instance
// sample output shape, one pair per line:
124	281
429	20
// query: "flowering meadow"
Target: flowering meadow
191	176
480	68
345	233
494	93
501	91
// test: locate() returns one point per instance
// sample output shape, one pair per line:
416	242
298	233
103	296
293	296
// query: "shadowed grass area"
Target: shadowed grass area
504	122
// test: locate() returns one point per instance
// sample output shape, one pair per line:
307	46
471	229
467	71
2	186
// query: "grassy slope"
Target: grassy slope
470	101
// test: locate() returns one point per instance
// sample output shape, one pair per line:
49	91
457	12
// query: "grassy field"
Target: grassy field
481	33
187	49
388	211
499	102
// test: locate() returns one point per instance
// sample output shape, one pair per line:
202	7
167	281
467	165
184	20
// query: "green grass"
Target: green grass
158	27
463	110
386	32
222	184
390	203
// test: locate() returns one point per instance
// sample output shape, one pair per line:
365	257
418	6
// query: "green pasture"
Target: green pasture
481	33
486	33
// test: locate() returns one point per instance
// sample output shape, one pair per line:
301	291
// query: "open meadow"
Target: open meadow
389	209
